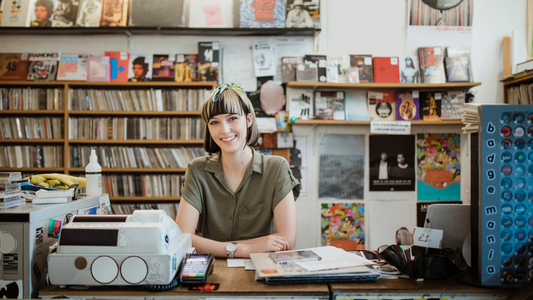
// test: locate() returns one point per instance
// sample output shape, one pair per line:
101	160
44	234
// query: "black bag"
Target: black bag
418	263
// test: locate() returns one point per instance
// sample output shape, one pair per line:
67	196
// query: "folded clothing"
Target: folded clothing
58	181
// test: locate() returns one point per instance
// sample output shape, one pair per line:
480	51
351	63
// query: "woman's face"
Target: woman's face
229	131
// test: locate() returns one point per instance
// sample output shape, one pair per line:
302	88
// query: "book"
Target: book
431	65
208	61
320	61
407	106
18	17
430	106
302	14
98	69
381	106
118	65
73	67
409	69
262	14
338	64
89	13
294	256
114	13
386	70
161	13
53	194
363	62
330	105
457	69
43	66
163	67
453	103
65	13
288	68
140	67
462	51
13	66
307	72
186	68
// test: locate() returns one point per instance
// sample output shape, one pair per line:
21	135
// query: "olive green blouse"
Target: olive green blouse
247	213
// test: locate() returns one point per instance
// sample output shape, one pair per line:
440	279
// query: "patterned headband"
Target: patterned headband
232	86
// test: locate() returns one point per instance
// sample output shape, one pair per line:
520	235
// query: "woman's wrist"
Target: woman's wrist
242	250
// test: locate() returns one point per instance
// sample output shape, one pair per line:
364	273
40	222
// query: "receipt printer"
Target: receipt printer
144	248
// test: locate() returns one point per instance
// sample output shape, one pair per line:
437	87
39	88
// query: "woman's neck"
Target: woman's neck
237	162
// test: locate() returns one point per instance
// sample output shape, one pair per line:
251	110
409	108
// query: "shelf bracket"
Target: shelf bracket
130	40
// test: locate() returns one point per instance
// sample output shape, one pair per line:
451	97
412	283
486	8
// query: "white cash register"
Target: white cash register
144	248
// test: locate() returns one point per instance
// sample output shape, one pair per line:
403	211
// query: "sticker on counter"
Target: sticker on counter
54	227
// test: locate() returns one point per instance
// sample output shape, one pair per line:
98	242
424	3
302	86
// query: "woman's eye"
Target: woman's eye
233	118
213	123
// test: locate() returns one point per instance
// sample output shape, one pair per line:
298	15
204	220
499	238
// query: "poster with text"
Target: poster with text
439	166
343	225
392	162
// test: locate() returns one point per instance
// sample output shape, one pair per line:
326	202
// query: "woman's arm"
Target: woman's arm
187	219
285	220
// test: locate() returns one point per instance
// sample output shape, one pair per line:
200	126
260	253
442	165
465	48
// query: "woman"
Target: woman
231	198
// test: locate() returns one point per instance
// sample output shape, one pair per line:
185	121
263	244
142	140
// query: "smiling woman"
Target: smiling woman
230	199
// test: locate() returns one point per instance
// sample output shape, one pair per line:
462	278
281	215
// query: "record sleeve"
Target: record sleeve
407	106
89	13
160	13
114	13
430	106
43	66
365	65
457	69
292	257
118	65
73	67
13	66
431	65
262	14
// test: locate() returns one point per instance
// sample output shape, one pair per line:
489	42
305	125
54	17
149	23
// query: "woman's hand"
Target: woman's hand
268	243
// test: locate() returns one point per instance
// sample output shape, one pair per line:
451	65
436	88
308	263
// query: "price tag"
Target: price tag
24	56
216	46
171	58
180	58
375	95
104	200
428	238
437	51
123	55
104	60
394	61
415	94
345	59
368	61
214	64
438	96
340	95
322	63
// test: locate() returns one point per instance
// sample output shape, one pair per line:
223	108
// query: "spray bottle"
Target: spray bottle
93	176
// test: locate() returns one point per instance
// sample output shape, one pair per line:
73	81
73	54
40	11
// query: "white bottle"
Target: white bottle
93	176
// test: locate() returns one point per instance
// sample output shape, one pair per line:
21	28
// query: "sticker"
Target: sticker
205	287
104	200
104	60
416	94
491	128
368	61
37	272
491	210
174	262
394	61
491	190
24	56
11	289
180	58
345	59
437	51
216	45
491	158
438	96
39	237
54	227
269	271
214	64
491	143
491	225
491	254
375	95
171	58
491	239
340	95
322	63
123	55
491	270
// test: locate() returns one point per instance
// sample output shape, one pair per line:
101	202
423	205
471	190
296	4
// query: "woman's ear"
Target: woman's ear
249	119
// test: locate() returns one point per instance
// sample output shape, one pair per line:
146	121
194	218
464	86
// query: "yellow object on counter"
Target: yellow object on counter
58	181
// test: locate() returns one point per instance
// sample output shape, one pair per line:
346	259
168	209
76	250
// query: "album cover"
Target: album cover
140	67
320	61
365	66
330	105
163	67
89	13
65	13
461	51
14	66
453	104
457	69
386	70
186	68
338	65
114	13
118	65
43	66
160	13
381	106
307	71
211	13
73	67
302	14
288	68
407	106
430	106
431	65
409	69
17	17
262	14
208	61
98	69
392	168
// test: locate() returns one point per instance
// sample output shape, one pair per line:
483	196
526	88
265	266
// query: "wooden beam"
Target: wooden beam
507	57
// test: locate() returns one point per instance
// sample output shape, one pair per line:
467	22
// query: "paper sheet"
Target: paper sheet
264	57
333	258
288	46
238	262
238	66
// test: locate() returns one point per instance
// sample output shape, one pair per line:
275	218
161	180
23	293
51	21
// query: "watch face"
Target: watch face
231	247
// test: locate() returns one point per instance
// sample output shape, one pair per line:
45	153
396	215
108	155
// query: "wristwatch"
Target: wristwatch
231	248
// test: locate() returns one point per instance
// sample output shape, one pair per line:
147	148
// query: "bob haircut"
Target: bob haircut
229	101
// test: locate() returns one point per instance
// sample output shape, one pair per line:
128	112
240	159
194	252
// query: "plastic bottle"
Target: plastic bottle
93	176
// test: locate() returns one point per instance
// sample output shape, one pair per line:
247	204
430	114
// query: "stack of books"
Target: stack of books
10	191
52	197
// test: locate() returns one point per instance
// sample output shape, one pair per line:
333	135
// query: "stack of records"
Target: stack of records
10	191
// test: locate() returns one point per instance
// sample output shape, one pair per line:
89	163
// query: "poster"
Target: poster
341	166
392	168
343	225
439	166
264	57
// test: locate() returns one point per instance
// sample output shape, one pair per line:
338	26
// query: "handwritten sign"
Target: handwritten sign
427	238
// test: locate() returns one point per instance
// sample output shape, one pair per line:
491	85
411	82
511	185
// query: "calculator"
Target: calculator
196	268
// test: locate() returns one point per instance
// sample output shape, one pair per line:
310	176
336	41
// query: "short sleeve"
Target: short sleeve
190	189
285	183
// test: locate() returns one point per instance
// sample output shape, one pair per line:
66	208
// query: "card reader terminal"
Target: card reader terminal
196	268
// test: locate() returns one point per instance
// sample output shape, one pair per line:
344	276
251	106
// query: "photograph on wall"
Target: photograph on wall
298	162
392	168
302	14
439	166
343	225
341	166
